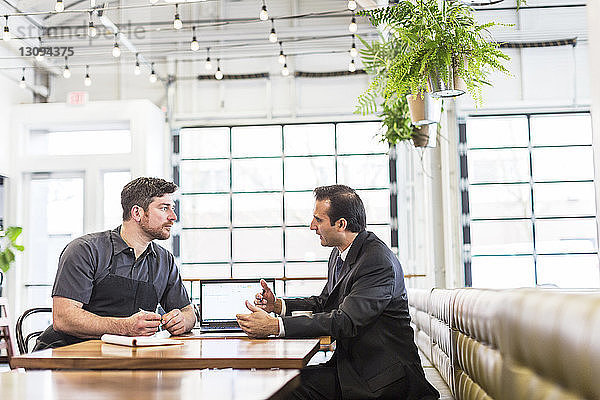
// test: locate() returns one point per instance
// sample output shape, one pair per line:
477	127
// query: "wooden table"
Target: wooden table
144	385
193	354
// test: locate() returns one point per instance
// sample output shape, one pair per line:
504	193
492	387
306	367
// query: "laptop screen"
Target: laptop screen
221	300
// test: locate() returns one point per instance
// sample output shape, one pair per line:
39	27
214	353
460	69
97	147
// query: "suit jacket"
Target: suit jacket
367	314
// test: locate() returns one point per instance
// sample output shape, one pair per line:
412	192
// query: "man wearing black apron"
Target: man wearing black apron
112	281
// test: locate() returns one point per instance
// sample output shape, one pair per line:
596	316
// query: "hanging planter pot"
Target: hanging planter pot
445	86
424	109
425	136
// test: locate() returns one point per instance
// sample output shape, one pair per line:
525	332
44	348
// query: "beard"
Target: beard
154	232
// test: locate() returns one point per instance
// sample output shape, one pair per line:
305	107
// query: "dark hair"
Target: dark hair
142	191
344	203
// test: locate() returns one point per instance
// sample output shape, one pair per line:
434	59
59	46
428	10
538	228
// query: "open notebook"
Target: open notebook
221	300
161	338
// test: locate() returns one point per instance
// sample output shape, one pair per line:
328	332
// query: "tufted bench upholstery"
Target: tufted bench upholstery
510	344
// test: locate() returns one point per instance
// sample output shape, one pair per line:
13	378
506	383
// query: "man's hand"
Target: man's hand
142	323
266	299
174	322
259	324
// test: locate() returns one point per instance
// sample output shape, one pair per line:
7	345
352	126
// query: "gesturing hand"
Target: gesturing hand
259	323
174	322
265	299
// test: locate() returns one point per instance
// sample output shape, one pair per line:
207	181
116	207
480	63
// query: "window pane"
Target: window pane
270	270
113	184
205	210
56	218
304	288
360	172
302	244
251	141
308	173
299	208
377	205
257	174
257	209
489	201
313	269
502	272
497	132
205	176
383	232
205	245
503	165
561	164
264	244
565	235
360	137
569	271
205	271
564	199
300	140
113	141
501	237
552	130
204	142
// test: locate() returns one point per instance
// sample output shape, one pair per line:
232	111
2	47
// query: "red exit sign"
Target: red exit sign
77	98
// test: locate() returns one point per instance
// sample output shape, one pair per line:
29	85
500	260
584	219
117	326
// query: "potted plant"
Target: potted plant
433	48
8	246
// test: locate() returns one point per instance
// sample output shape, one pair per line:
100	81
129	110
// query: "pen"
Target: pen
160	328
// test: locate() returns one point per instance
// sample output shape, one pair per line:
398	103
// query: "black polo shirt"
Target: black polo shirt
85	262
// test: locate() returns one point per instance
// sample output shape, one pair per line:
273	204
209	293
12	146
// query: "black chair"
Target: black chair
23	343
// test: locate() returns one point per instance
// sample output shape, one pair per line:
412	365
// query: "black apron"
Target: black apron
113	296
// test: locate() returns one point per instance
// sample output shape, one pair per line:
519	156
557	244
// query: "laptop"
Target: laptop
221	300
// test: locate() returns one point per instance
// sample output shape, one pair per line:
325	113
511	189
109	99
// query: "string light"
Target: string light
272	35
208	64
353	51
23	84
137	70
92	31
152	77
116	52
87	81
59	6
285	71
194	45
6	36
352	66
66	71
281	59
351	5
353	27
264	14
177	24
218	74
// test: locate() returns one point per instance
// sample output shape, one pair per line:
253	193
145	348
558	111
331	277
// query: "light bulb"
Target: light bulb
353	27
39	57
194	45
116	52
137	70
264	14
281	58
6	36
22	83
351	5
87	81
272	36
152	77
92	31
285	71
218	74
66	72
208	64
177	24
59	6
352	66
353	51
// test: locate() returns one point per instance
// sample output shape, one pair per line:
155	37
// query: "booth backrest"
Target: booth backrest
511	344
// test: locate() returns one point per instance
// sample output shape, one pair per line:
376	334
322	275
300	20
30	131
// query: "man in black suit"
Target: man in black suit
363	307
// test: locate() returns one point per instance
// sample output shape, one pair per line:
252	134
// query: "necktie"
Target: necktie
338	269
